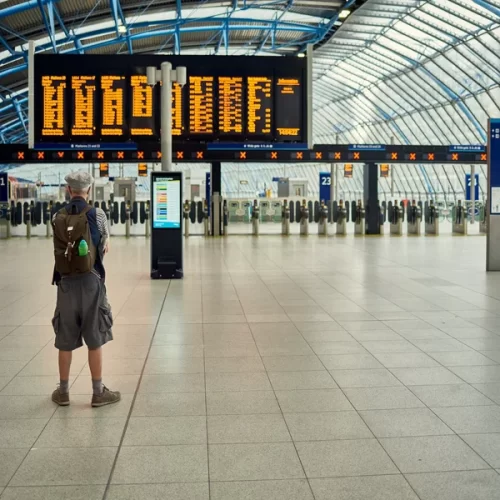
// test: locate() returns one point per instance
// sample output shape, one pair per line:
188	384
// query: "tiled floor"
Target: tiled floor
278	369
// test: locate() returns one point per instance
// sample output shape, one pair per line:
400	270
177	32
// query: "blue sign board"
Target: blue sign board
470	148
98	146
495	165
325	181
208	191
468	187
270	146
366	147
4	188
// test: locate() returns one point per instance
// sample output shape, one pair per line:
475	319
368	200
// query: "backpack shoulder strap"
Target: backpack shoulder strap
86	210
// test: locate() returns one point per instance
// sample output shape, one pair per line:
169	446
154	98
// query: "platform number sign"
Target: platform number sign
325	181
468	187
4	188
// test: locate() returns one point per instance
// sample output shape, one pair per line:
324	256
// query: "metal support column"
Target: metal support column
215	197
493	217
370	187
473	193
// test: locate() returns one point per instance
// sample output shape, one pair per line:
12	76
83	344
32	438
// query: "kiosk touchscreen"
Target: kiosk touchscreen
166	225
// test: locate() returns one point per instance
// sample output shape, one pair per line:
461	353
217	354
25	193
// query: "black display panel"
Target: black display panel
105	98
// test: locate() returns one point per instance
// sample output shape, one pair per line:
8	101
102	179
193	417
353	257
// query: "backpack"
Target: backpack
69	230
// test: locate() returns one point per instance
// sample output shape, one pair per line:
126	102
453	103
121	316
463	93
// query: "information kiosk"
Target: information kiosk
166	225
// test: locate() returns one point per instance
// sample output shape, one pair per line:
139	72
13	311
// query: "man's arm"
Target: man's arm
102	225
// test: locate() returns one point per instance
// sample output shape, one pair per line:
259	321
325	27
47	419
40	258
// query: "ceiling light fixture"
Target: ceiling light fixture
344	13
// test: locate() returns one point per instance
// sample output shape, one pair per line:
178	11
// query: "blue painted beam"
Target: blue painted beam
22	7
488	6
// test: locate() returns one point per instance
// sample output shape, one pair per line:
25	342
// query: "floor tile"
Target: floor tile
289	381
291	489
10	459
81	433
176	351
432	454
234	365
11	368
471	419
168	405
389	346
440	345
363	457
42	467
436	396
326	426
292	363
487	446
285	349
490	390
464	358
175	491
477	485
20	433
241	403
126	384
161	464
31	386
247	429
225	382
426	376
350	362
172	382
393	487
312	401
326	337
382	398
158	366
251	462
364	378
55	493
151	431
406	360
404	422
478	374
20	407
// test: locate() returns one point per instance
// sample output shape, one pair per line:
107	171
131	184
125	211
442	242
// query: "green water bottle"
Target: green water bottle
83	249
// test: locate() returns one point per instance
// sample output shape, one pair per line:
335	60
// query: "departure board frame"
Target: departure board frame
226	99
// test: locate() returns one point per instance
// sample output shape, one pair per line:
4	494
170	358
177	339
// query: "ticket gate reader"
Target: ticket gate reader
206	219
483	225
341	218
255	218
359	219
431	219
396	219
186	209
459	214
285	218
414	220
304	219
225	218
323	219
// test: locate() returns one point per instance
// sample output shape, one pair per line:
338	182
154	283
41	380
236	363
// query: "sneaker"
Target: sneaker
106	398
59	398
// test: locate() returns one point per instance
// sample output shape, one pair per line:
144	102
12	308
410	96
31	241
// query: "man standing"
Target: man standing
81	240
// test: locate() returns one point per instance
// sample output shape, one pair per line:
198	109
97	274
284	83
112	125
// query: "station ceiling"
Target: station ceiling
407	71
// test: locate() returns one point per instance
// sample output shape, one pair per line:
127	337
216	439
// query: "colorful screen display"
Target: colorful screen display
166	198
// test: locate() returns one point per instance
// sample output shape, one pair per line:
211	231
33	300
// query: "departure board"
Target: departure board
230	105
177	110
142	121
259	105
201	104
83	89
288	107
54	105
113	105
232	99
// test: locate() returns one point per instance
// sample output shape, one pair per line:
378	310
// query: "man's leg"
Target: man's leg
65	358
95	365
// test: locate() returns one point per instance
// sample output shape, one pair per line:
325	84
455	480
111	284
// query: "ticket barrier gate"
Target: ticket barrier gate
483	225
255	218
323	219
146	218
47	218
265	211
459	218
431	219
304	219
359	219
339	217
186	211
206	219
225	218
6	219
396	218
414	219
235	212
285	218
127	212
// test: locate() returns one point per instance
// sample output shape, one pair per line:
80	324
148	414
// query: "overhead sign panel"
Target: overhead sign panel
226	99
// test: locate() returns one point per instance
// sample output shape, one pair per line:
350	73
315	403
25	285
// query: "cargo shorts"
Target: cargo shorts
82	313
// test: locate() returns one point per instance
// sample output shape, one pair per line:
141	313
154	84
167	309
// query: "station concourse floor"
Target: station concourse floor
278	369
